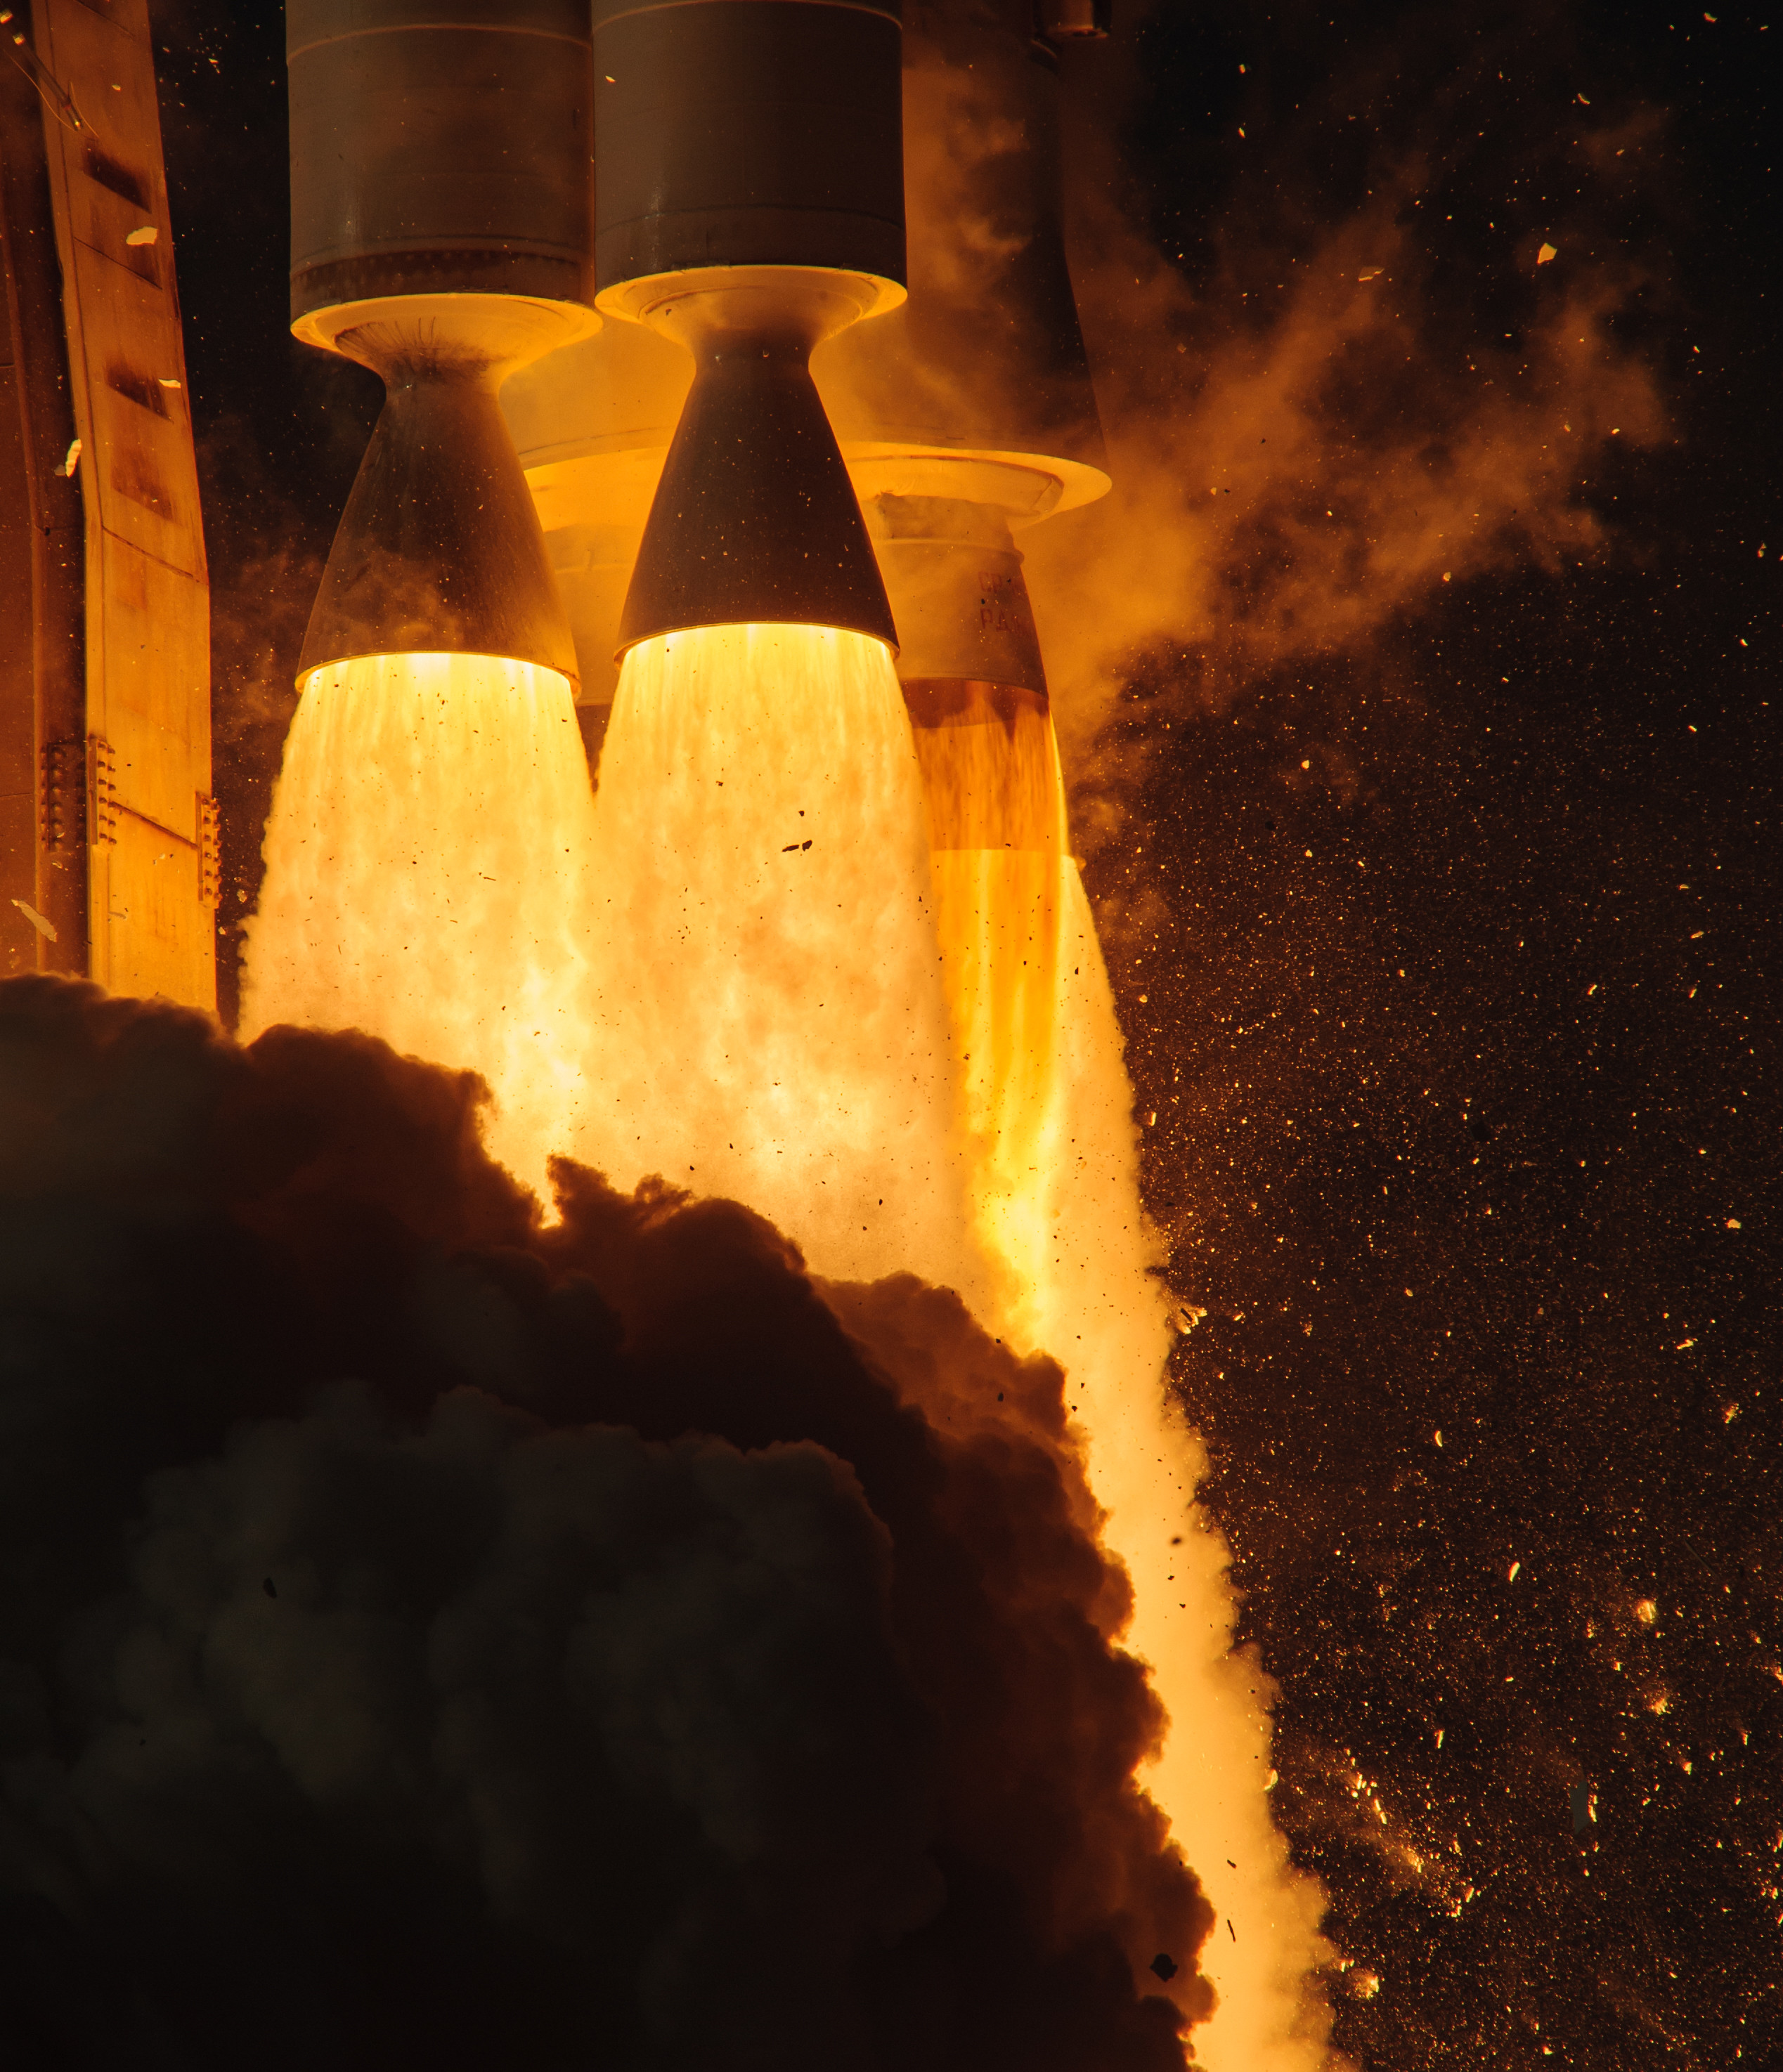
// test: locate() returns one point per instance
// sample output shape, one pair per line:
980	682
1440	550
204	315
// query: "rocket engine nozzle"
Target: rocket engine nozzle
440	234
439	550
755	519
749	203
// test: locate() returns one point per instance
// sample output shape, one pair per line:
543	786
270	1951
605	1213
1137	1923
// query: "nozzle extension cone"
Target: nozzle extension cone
439	550
756	519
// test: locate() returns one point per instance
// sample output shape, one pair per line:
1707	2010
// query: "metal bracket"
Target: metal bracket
210	857
64	804
102	802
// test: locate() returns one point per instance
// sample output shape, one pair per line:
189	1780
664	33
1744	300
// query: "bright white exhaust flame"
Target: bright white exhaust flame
1102	1313
1055	1183
743	968
427	874
771	1022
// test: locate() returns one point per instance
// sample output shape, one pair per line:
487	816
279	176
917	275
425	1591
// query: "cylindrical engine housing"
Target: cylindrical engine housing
986	356
387	197
955	576
746	132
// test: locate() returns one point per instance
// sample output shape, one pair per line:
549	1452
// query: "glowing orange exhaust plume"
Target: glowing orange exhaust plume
426	877
1054	1187
770	1021
990	778
1101	1308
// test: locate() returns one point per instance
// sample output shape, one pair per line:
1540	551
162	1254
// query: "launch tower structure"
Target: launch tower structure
109	836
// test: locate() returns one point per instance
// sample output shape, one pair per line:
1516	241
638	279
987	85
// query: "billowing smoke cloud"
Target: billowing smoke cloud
1338	376
427	1636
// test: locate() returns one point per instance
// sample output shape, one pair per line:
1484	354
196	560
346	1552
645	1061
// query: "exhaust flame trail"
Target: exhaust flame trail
791	955
426	878
990	776
770	1020
1055	1189
1101	1310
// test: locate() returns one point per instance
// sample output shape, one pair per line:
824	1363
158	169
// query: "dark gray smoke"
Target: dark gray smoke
427	1637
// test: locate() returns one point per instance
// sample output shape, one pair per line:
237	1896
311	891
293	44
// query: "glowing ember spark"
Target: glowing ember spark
426	876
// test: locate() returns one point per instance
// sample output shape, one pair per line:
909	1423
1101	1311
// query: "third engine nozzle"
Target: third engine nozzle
754	519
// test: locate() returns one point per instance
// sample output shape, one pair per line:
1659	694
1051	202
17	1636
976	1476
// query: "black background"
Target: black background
1454	1116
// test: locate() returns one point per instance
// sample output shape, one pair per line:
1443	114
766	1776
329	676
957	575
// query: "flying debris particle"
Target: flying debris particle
1445	575
1646	1611
1188	1315
167	381
1547	252
1733	1223
1371	273
1438	1438
1515	1566
1730	1413
1365	1984
145	233
1583	102
45	927
1230	1930
70	460
1165	1966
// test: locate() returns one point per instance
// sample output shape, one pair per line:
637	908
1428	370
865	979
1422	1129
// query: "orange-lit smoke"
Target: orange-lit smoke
428	879
1302	452
770	1022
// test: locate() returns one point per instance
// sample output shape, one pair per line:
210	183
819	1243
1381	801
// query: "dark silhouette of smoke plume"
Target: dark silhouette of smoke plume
428	1637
